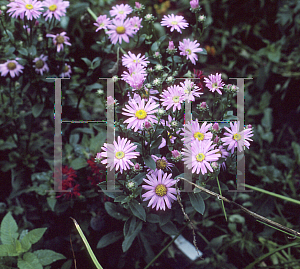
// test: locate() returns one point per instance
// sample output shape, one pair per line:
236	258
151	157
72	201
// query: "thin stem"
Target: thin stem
221	200
6	32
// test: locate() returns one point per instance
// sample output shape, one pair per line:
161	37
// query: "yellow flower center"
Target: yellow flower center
141	114
174	22
200	157
121	12
161	164
39	64
237	137
215	85
170	136
60	39
199	136
188	51
120	30
161	190
29	6
176	99
11	66
53	7
120	155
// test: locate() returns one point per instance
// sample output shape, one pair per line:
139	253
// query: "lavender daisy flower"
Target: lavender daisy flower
190	89
12	67
120	30
136	23
161	164
170	124
199	155
131	60
189	48
123	152
29	8
140	113
235	139
120	11
66	71
102	22
59	40
159	192
56	8
40	64
214	83
224	154
135	77
193	131
175	22
173	96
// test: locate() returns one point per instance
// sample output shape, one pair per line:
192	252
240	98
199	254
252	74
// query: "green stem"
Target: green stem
92	13
220	191
6	32
164	249
274	194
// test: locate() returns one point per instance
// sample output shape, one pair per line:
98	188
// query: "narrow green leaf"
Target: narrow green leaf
169	228
9	229
90	251
150	162
11	36
47	256
114	211
109	238
197	202
137	210
130	237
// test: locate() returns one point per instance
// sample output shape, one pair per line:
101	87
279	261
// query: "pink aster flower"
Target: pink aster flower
197	156
29	8
12	67
161	164
102	22
172	97
135	77
120	30
120	11
123	152
175	22
189	48
66	72
134	60
59	40
140	113
193	131
40	64
56	8
224	154
170	123
159	192
190	90
214	83
235	139
136	23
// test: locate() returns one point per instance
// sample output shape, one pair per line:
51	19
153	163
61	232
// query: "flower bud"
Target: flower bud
216	127
110	101
194	4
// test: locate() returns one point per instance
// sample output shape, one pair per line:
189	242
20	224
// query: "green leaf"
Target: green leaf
33	236
139	178
267	119
37	109
79	163
109	238
131	236
152	218
9	230
169	228
11	36
197	202
51	202
296	148
164	217
8	250
97	142
150	162
87	61
137	210
29	261
114	211
47	256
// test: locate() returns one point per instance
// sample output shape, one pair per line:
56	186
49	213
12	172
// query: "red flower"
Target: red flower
97	173
199	74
